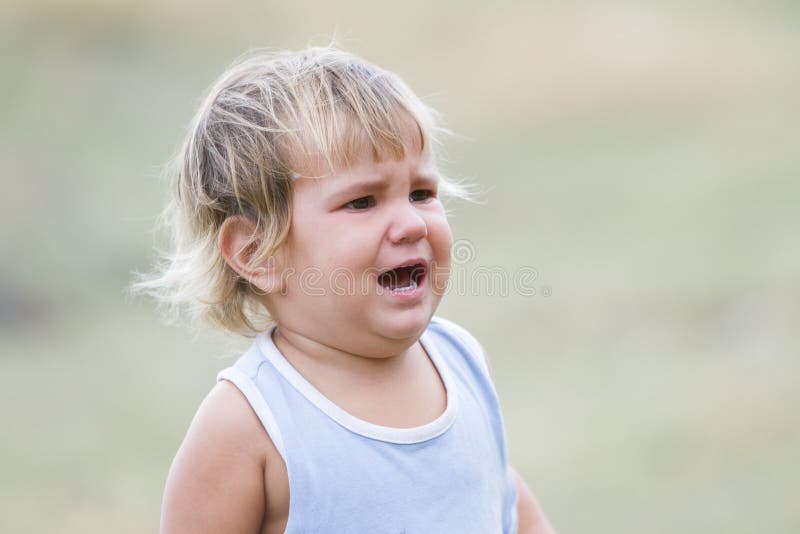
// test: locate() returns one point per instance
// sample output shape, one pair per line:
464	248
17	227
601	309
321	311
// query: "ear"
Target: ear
238	241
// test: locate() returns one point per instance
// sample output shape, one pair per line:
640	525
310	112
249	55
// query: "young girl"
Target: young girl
307	213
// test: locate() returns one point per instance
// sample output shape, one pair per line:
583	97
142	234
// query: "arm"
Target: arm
531	517
216	482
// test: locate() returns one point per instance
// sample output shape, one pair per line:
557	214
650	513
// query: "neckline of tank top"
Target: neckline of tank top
359	426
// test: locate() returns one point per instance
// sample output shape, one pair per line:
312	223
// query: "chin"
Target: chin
408	325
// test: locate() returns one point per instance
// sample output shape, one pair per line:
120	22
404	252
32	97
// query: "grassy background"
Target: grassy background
642	156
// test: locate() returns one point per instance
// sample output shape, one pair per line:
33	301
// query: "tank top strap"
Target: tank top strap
242	374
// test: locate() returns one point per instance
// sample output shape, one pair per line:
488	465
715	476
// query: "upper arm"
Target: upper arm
531	517
216	482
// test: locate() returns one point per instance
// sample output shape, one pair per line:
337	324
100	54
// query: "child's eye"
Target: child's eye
361	203
420	195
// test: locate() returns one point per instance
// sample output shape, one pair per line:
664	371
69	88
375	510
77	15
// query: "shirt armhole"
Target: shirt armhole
248	388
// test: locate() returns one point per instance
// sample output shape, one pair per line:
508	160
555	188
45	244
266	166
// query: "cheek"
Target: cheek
441	238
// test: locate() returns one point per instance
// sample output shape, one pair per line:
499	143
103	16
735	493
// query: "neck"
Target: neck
314	357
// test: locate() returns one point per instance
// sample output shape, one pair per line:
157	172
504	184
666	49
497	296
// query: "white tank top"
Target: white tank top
347	475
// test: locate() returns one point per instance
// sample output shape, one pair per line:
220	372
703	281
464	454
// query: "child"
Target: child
307	213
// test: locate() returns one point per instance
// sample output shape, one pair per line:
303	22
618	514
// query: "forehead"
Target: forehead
361	152
368	170
347	142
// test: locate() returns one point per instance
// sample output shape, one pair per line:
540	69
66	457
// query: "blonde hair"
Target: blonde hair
263	121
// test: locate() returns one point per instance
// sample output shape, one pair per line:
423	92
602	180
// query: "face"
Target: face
367	258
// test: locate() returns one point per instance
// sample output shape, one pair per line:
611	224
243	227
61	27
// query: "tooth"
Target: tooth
410	287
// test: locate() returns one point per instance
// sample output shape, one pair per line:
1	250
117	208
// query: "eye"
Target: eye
420	195
361	203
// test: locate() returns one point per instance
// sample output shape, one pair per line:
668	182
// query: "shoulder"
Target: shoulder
216	481
462	337
227	417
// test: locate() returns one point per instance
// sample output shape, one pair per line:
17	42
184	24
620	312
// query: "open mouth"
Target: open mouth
405	278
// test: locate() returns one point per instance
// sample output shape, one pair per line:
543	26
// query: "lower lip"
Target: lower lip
406	296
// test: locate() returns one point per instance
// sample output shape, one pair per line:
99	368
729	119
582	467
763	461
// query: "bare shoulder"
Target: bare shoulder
216	482
226	421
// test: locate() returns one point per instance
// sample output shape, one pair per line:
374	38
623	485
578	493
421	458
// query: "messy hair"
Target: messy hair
261	124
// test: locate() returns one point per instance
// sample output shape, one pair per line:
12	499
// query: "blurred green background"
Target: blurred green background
642	156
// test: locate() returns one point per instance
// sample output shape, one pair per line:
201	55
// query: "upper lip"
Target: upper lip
408	263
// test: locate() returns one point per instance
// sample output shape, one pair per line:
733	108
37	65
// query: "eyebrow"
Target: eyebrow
356	188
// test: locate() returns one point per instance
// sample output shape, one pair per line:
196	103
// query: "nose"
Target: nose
407	225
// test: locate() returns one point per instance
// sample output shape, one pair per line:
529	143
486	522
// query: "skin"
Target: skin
227	475
345	233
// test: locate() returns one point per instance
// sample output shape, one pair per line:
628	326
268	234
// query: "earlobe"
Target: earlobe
266	277
238	241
